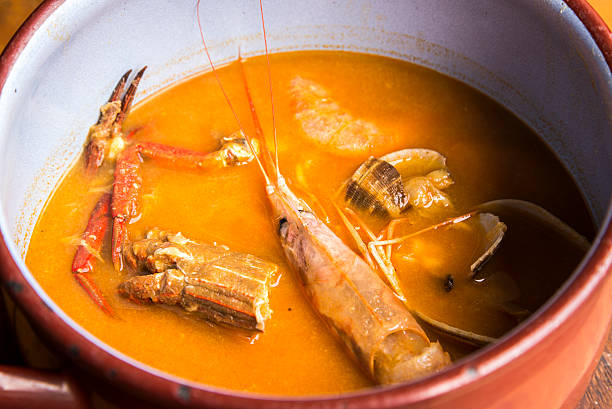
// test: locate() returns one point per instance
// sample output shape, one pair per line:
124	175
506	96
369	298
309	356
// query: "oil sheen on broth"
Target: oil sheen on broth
490	154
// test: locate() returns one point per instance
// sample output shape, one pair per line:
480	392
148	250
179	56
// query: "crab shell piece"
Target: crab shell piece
219	285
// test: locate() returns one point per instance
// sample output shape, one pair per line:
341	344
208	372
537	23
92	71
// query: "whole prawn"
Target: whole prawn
354	302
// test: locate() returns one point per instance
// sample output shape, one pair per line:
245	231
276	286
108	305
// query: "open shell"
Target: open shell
530	213
424	175
494	233
390	184
515	213
454	332
486	225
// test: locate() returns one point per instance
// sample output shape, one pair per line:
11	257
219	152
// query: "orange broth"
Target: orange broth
490	153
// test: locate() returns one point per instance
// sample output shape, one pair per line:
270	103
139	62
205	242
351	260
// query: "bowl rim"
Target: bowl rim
166	389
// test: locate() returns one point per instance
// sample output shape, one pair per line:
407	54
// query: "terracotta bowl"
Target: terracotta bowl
546	61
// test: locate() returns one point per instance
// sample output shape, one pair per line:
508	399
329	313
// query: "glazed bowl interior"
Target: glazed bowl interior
535	58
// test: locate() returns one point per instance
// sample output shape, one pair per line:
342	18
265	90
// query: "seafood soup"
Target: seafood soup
422	225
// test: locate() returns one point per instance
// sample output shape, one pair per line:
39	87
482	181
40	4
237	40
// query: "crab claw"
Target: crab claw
106	134
92	290
128	98
100	132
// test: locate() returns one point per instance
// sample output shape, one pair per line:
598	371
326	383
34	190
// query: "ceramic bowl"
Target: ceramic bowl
547	61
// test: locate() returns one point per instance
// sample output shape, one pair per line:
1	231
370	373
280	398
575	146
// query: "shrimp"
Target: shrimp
356	305
350	297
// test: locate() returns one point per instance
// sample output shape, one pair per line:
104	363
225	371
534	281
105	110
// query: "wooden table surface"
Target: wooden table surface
599	393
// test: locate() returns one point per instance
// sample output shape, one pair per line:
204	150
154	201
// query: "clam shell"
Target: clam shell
415	161
424	175
376	187
494	233
531	213
454	332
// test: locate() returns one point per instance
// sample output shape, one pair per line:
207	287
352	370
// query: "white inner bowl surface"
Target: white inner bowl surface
535	58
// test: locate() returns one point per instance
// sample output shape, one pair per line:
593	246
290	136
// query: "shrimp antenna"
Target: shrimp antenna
258	130
263	26
229	103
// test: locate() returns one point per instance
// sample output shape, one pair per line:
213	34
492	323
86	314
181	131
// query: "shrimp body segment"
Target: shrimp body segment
352	300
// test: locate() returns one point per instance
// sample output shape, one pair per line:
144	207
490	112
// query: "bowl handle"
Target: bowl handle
32	388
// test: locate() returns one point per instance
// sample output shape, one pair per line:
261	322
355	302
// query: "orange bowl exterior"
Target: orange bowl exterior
546	363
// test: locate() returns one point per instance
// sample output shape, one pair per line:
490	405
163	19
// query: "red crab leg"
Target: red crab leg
181	157
93	237
125	192
128	181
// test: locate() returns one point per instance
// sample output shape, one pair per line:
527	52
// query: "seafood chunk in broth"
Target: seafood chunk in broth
357	300
223	286
389	185
326	123
424	176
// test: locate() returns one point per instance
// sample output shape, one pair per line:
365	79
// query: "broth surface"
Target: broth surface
490	153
